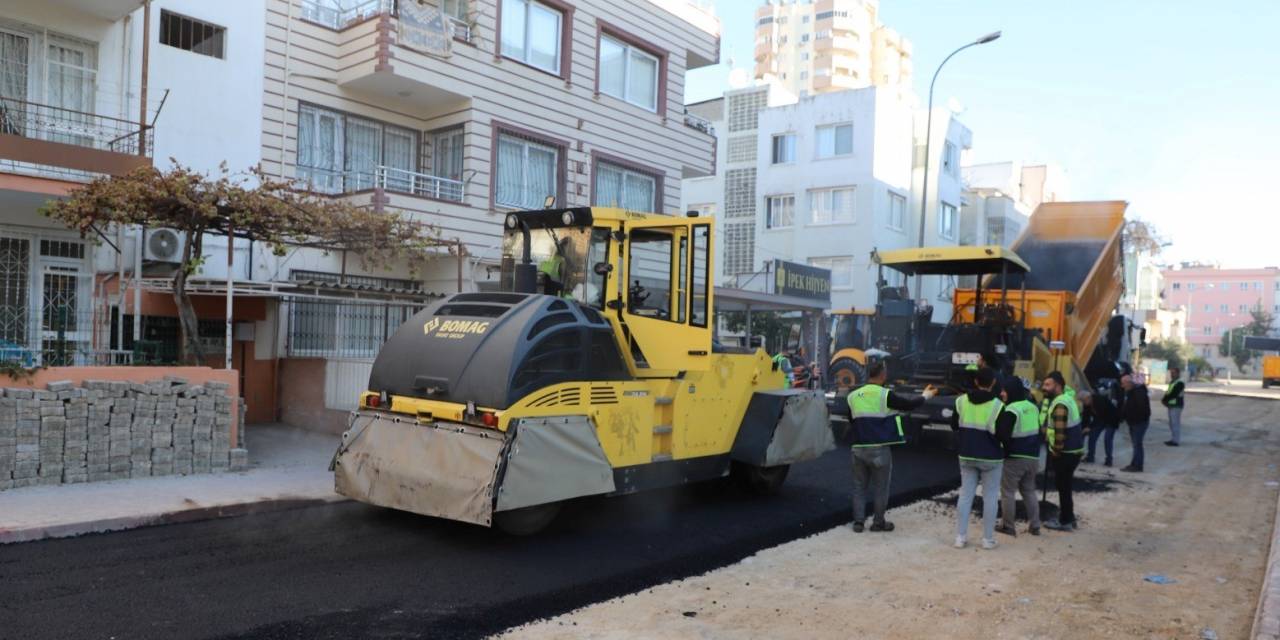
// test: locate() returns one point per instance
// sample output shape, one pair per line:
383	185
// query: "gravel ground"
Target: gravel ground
1201	516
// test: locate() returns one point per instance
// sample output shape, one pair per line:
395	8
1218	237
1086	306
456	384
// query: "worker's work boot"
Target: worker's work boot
857	526
1007	529
1035	531
882	526
1060	526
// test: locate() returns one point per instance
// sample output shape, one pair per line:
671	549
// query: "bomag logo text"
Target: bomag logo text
454	329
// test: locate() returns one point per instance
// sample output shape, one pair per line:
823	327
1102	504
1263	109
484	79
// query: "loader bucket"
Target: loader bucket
445	470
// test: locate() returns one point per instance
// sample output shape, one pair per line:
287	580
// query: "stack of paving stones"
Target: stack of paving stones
111	430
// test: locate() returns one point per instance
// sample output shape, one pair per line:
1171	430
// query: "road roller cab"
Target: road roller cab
593	372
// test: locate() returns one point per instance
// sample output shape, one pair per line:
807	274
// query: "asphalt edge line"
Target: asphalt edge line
1269	594
1248	395
195	514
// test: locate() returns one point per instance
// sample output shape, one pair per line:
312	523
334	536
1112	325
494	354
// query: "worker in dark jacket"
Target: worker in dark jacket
876	426
1064	435
1022	458
1102	419
984	431
1136	411
1173	399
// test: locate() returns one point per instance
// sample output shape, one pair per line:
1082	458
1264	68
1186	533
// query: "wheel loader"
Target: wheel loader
592	372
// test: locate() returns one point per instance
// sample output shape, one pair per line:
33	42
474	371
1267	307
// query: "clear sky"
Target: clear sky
1172	105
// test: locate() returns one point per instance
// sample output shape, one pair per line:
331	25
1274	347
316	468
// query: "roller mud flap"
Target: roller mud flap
445	470
465	473
783	427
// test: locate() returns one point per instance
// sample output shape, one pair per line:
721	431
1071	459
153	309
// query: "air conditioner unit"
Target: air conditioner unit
163	245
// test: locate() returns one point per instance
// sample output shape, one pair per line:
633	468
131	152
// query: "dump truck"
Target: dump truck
1270	360
592	372
1068	295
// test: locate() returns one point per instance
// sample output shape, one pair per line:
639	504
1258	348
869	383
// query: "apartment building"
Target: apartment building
1001	196
829	45
77	102
1219	300
834	185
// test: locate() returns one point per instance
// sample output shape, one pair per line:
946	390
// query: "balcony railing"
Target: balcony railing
698	122
56	124
339	15
332	182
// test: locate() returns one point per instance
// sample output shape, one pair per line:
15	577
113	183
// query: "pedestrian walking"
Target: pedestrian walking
1136	411
1022	459
983	429
1174	400
876	426
1101	418
1064	435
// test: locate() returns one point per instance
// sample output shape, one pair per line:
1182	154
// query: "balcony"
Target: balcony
698	123
423	185
48	141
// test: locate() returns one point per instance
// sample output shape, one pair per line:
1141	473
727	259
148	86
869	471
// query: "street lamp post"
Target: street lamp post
928	135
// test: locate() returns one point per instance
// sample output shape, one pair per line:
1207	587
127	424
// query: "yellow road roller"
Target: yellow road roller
592	371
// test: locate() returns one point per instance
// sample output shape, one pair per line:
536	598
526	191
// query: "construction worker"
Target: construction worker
554	267
983	429
1064	436
1022	459
875	427
1174	401
782	363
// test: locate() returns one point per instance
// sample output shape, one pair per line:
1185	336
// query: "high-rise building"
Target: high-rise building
829	45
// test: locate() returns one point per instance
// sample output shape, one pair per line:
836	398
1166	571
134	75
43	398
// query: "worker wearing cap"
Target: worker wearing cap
877	425
1064	435
1022	459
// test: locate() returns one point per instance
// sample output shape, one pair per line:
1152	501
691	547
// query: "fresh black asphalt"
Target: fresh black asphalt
354	571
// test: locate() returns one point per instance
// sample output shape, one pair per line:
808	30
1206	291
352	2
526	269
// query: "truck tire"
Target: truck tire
761	481
1266	383
526	521
846	373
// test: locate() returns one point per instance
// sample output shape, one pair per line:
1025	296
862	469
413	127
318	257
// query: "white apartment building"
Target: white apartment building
1001	196
834	185
819	46
944	199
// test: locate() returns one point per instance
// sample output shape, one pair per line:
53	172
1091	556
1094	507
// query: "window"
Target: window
825	33
841	270
1191	286
897	211
628	73
804	75
780	211
763	21
531	34
744	110
1177	286
784	148
527	172
653	255
700	275
618	186
947	221
804	38
456	9
446	153
1223	309
1208	308
804	20
835	140
1244	308
1226	285
1244	286
832	206
804	55
1208	331
192	35
338	153
1257	286
742	149
822	72
950	159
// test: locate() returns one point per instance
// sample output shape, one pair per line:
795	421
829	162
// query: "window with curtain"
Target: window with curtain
320	157
831	206
621	187
70	79
446	153
784	148
527	172
780	211
364	153
531	34
340	153
456	9
834	140
15	77
628	73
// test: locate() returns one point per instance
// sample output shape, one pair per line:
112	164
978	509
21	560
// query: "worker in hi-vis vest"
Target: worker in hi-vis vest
983	429
1064	434
555	268
782	363
877	425
1022	459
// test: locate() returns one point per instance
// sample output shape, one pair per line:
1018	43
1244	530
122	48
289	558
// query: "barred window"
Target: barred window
740	193
744	110
742	149
62	249
192	35
739	247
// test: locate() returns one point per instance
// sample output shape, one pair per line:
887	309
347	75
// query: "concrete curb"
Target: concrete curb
1266	621
1232	394
195	514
